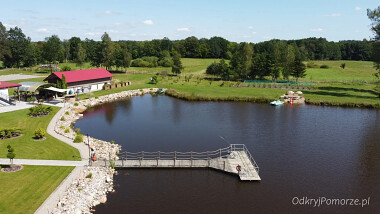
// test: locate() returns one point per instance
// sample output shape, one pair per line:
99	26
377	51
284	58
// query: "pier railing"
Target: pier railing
208	155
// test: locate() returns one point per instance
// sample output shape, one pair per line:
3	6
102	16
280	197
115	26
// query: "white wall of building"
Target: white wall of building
4	93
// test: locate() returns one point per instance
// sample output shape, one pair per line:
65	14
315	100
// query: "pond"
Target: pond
302	151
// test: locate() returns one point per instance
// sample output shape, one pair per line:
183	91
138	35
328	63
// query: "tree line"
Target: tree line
17	50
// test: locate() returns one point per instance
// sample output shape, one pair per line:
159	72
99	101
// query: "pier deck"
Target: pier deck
226	159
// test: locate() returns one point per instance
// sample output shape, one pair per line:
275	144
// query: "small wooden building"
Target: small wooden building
82	81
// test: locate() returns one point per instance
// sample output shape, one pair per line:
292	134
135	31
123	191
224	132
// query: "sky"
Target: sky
236	20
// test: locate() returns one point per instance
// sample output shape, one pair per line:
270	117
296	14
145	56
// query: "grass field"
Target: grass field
354	84
24	191
25	146
354	71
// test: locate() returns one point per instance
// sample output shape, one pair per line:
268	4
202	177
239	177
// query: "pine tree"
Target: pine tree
63	84
177	64
298	69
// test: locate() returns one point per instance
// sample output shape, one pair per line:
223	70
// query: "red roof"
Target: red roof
8	84
83	75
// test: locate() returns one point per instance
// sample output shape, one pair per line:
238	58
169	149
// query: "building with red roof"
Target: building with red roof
82	81
4	95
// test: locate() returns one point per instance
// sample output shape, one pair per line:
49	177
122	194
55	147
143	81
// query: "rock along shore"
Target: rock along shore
93	183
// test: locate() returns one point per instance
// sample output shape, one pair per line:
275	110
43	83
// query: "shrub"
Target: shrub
63	118
112	142
76	104
311	65
62	127
89	175
78	138
147	61
39	110
39	133
66	68
112	164
67	112
324	66
31	99
343	65
67	130
9	132
72	125
77	131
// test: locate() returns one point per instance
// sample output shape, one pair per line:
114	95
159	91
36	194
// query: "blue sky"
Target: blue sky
235	20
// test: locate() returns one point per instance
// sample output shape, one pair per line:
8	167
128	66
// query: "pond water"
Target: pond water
302	151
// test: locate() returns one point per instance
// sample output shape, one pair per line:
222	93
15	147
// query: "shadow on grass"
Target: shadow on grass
329	88
338	94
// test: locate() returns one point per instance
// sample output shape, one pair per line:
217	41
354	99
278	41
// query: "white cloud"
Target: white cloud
148	22
132	34
254	33
108	12
183	29
9	26
92	33
316	30
250	27
333	15
42	30
358	8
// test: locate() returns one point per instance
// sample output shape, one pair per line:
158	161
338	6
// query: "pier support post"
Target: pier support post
220	153
224	165
191	158
175	157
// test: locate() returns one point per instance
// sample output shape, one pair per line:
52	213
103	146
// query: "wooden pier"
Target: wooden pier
230	159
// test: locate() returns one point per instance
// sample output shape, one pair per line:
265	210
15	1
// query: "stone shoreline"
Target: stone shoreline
84	193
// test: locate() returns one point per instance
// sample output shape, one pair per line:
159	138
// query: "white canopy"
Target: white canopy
51	88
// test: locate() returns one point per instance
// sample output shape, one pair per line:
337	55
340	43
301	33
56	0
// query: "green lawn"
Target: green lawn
25	146
24	191
354	71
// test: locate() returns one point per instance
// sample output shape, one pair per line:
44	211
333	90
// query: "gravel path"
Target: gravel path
18	77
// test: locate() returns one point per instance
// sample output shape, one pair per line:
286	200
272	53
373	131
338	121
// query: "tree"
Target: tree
241	61
74	43
107	51
80	55
64	83
374	16
66	47
11	155
177	64
4	43
53	49
298	69
289	61
18	46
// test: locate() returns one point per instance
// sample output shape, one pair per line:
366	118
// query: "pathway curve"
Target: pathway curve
82	148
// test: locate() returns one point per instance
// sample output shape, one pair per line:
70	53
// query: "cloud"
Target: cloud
42	30
358	8
92	33
108	13
254	32
183	29
316	30
9	26
250	27
333	15
148	22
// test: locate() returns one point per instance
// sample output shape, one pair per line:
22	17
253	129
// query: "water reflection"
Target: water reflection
301	150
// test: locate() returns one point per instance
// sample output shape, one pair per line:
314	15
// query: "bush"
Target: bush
9	132
78	138
343	65
72	125
67	112
77	131
31	99
67	130
76	104
62	127
324	66
147	61
63	118
112	142
40	110
89	175
166	62
66	68
311	65
39	133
